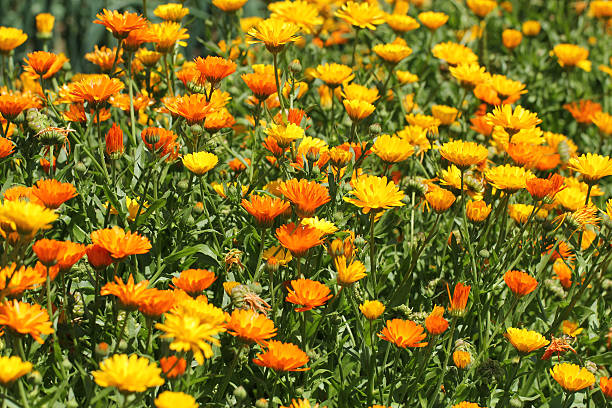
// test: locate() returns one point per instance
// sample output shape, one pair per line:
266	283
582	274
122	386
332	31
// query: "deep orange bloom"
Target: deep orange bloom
308	293
261	84
96	90
157	302
130	295
162	141
43	63
71	253
12	104
76	113
120	24
403	333
193	108
306	195
48	250
435	323
53	193
114	142
583	111
98	257
172	366
119	243
214	69
14	281
458	301
265	209
605	383
105	58
138	37
25	318
250	326
540	188
520	283
237	165
194	281
6	147
298	238
282	357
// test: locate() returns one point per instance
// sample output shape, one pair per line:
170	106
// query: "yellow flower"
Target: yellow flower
362	15
477	211
372	309
512	120
462	358
284	134
359	92
572	377
26	217
593	167
440	199
432	19
570	55
281	255
169	34
571	328
525	341
334	74
401	23
481	7
392	53
349	274
506	86
169	399
358	110
469	73
171	12
603	121
274	34
424	121
417	137
11	38
12	368
531	28
571	198
200	162
45	23
511	38
521	212
508	178
132	205
454	53
374	193
406	77
229	5
445	114
128	374
464	154
392	149
301	13
321	224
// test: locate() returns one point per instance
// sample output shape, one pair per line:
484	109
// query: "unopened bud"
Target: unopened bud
295	66
375	129
240	393
183	185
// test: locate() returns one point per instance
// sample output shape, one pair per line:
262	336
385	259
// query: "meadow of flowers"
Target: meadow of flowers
335	204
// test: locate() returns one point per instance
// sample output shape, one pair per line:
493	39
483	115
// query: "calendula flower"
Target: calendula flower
525	341
374	193
540	188
157	302
605	383
6	147
200	163
265	209
274	34
592	167
511	38
571	328
583	111
572	377
262	85
161	141
570	55
361	15
477	211
392	53
45	23
120	24
168	34
508	178
135	39
53	193
435	323
531	28
464	154
278	255
403	333
27	218
13	368
24	318
406	77
114	142
250	326
462	358
214	69
44	64
172	366
194	281
128	374
321	224
308	294
392	149
466	404
96	91
603	121
440	199
11	38
48	251
105	58
351	273
281	356
12	104
120	244
454	53
298	239
171	12
98	257
372	309
193	108
401	23
481	7
305	195
301	13
520	283
229	5
14	281
334	74
458	302
170	399
521	212
284	135
512	120
129	294
433	19
358	110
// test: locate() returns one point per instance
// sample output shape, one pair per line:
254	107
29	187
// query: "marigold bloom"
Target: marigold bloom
105	58
156	303
520	283
24	318
274	34
301	13
193	108
12	368
44	64
172	366
200	163
401	23
12	104
98	257
592	167
284	135
511	38
11	38
466	404
481	7
508	178
14	281
306	195
464	154
265	209
351	273
229	5
48	251
521	212
603	121
374	193
358	110
433	19
120	24
458	302
392	149
161	141
135	39
570	55
114	142
169	34
307	293
26	217
440	199
572	377
435	323
214	69
512	121
171	12
477	211
583	111
95	90
605	383
525	341
571	328
129	294
454	53
119	243
281	356
128	374
334	74
194	281
392	53
53	193
462	358
6	147
403	333
250	326
372	309
262	85
361	15
540	188
45	23
531	28
445	114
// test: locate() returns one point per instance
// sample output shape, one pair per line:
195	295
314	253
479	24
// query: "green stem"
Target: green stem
227	376
49	303
449	345
279	91
116	59
131	94
509	382
122	331
51	166
22	394
373	255
260	256
100	146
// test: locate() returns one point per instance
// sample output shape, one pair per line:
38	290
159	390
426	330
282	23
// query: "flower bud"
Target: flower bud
240	393
261	403
295	66
183	185
375	129
80	167
102	349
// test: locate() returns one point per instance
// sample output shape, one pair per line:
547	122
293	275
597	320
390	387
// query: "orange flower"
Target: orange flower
250	326
53	193
458	301
161	140
130	295
403	333
194	281
193	108
605	383
157	302
583	111
306	195
261	84
98	257
119	243
25	318
298	239
214	69
12	104
540	188
265	209
45	64
48	251
308	293
14	281
172	366
282	357
70	254
440	199
6	147
520	283
96	90
138	37
114	142
120	24
435	323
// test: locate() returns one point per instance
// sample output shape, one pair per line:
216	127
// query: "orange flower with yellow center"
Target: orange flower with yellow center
281	356
120	244
372	193
361	15
214	69
120	24
520	283
305	195
403	333
24	318
194	281
308	294
265	209
44	64
95	90
273	33
298	239
250	326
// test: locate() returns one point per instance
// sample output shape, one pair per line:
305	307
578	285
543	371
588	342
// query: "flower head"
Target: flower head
44	64
520	283
171	12
592	167
308	294
481	7
508	178
403	333
281	356
26	218
261	84
433	19
274	34
305	195
512	120
250	326
464	154
540	188
95	90
372	309
525	341
172	366
605	383
334	74
392	149
11	38
25	318
572	377
229	5
511	38
358	110
570	55
200	163
120	24
120	244
12	368
130	294
361	15
531	28
458	302
454	53
214	69
477	211
440	199
351	273
392	53
265	209
53	193
128	374
194	281
435	323
301	13
462	358
372	193
168	34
